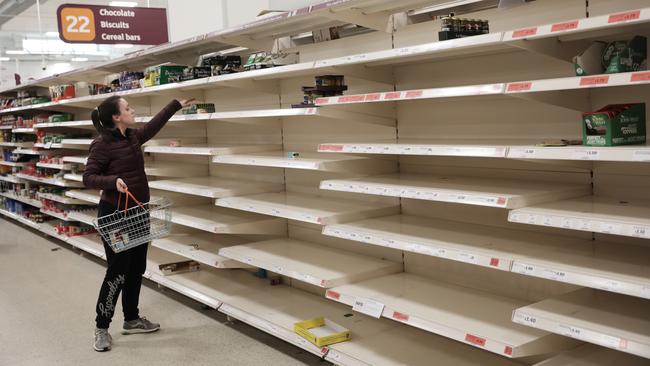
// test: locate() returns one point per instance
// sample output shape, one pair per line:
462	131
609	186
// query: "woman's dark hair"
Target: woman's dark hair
102	116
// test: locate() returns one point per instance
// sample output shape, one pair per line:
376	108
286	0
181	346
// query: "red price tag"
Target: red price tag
494	262
333	295
624	17
351	98
400	316
640	76
326	147
508	351
392	95
526	32
501	201
320	101
475	340
594	80
373	97
558	27
413	94
515	87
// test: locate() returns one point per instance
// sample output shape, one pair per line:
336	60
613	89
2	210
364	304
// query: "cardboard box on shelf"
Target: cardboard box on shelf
615	124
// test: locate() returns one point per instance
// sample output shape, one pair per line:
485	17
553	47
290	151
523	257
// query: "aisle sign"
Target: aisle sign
112	25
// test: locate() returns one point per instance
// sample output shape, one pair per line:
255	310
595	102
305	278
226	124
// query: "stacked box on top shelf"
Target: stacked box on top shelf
616	124
326	86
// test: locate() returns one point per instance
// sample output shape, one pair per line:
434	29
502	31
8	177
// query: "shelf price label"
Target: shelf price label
523	318
565	26
523	268
570	331
624	17
368	306
586	154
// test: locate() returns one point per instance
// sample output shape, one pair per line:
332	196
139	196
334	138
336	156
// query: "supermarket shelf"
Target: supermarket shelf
210	150
62	199
11	179
166	169
214	187
613	267
200	247
57	215
308	262
85	216
89	243
87	123
223	221
590	213
27	151
51	181
24	130
48	228
308	161
473	317
419	147
75	159
20	219
84	142
84	195
465	190
308	208
54	166
6	127
592	355
632	153
609	320
12	163
27	200
16	144
578	82
74	177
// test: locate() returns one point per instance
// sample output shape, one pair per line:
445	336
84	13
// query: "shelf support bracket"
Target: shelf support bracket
552	47
379	21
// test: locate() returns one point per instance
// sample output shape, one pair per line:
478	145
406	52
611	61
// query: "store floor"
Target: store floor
47	299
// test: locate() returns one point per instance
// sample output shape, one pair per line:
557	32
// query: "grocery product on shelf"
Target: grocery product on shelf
326	86
199	108
453	27
163	74
60	117
322	331
615	124
60	92
130	80
196	72
263	60
221	65
613	57
74	229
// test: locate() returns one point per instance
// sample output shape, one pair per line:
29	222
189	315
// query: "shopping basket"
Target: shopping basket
140	224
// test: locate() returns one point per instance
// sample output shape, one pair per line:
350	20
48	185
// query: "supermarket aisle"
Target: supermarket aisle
46	316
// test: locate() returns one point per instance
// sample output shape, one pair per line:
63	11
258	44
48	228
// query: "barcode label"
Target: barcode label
523	268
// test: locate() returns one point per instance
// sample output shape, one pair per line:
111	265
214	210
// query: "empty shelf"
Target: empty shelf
16	144
74	177
214	187
12	163
89	243
590	213
471	191
309	161
224	221
86	216
209	150
51	181
308	208
23	199
474	317
200	247
166	169
608	153
58	215
55	166
84	142
592	355
613	267
85	195
610	320
415	147
308	262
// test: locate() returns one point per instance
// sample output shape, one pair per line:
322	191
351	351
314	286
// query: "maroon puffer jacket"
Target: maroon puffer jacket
113	155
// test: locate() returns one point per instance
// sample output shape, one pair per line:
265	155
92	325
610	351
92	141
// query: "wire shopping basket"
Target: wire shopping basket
130	227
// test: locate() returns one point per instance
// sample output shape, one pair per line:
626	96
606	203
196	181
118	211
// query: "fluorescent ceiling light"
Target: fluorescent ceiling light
79	59
123	45
4	59
58	47
16	52
128	4
52	34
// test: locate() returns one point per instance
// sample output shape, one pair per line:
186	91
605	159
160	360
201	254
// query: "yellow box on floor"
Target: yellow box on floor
321	331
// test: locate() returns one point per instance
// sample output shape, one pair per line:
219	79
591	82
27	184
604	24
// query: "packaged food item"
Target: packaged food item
453	27
163	74
616	124
196	72
61	92
199	108
326	86
626	56
322	331
222	64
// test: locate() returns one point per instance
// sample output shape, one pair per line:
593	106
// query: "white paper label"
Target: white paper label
522	153
467	258
526	319
641	231
368	306
586	154
555	275
523	268
607	284
609	341
645	292
641	155
570	331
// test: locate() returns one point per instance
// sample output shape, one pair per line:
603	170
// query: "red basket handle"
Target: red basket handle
126	201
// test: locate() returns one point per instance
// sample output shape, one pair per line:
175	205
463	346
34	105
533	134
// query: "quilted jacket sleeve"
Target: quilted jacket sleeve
97	164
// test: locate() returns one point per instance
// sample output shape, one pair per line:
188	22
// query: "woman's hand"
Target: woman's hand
121	186
186	102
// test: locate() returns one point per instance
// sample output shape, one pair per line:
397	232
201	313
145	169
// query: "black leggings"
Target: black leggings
124	274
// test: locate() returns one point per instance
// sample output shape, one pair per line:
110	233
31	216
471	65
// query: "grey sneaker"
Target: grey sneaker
141	325
103	340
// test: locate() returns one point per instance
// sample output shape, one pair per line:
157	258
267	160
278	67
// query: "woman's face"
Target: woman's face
127	114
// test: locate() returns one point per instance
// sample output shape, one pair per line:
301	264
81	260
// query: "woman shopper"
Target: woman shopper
115	165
